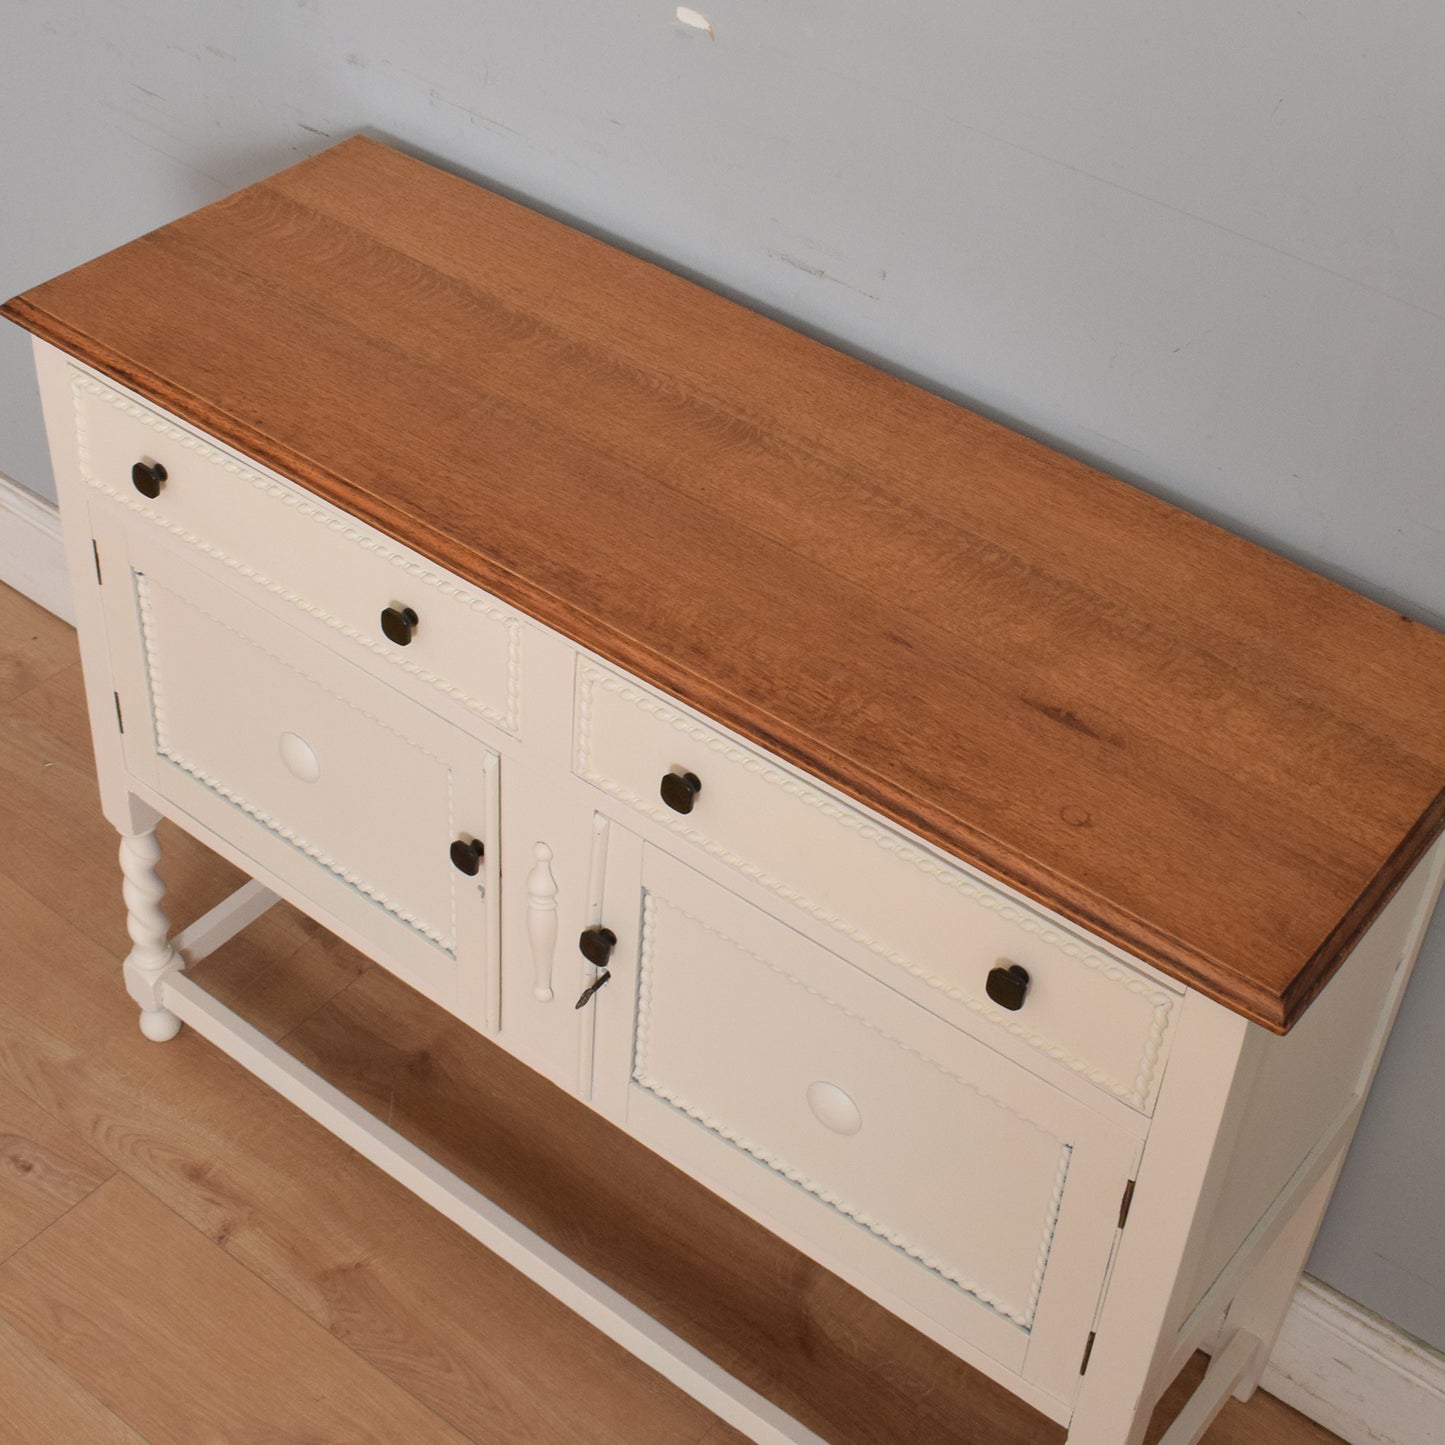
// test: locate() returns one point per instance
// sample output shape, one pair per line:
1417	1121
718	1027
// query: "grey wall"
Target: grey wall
1200	245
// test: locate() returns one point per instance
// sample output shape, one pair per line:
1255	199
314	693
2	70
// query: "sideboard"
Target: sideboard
994	880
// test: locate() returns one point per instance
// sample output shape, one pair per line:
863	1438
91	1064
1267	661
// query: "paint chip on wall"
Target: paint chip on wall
697	21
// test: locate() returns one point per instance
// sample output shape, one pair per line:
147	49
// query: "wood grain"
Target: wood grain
280	970
44	1406
184	1344
35	646
1182	742
1263	1421
50	810
45	1169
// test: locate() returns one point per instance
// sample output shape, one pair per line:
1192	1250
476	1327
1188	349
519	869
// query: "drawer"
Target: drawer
921	924
279	537
905	1152
342	787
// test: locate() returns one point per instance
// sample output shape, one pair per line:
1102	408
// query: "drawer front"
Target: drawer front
918	918
279	537
947	1170
341	786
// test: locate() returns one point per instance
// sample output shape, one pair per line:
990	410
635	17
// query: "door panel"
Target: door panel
318	769
903	1153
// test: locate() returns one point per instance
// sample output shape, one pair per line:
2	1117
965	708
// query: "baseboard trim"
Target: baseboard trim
32	555
1355	1373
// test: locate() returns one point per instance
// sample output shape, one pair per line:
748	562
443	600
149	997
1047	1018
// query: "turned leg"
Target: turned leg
151	956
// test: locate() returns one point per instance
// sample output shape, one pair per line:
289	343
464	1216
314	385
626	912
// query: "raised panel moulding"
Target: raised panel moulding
1022	1314
167	749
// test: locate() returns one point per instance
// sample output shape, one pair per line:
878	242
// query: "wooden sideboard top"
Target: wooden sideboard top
1186	744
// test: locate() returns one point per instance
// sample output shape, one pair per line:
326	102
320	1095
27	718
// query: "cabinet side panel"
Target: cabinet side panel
1308	1080
86	569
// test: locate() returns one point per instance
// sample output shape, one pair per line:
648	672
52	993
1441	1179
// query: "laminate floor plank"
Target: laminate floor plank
185	1344
54	840
723	1434
418	1298
60	997
45	1169
45	1406
1263	1421
280	970
37	644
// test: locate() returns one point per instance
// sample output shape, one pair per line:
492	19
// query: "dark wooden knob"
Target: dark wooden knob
1008	986
597	945
467	856
148	478
680	790
398	623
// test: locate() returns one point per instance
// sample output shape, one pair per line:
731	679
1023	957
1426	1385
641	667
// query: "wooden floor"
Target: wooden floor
185	1258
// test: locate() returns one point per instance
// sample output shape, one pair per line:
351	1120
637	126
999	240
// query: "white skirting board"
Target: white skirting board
1336	1363
1356	1374
32	557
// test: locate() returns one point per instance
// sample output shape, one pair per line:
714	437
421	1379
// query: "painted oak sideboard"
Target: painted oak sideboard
995	881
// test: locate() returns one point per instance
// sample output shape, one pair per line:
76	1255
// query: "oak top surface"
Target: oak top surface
1195	749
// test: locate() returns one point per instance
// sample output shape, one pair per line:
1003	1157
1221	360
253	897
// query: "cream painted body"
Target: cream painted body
795	1009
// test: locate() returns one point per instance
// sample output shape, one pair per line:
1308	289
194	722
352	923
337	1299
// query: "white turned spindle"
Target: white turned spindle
151	956
542	920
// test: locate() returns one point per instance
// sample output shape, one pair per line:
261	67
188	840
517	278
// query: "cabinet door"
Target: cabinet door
962	1191
344	790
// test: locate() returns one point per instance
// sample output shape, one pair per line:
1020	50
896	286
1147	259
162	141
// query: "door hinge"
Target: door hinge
100	581
1088	1350
1126	1203
119	717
